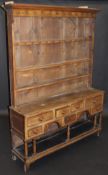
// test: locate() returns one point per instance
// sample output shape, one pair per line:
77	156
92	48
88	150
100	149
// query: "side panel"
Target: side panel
17	128
17	122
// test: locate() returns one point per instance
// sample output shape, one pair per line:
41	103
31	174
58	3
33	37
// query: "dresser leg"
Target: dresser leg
34	147
95	121
26	167
100	120
14	157
98	133
100	124
26	149
68	133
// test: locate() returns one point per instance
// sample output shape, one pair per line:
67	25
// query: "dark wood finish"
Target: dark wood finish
51	59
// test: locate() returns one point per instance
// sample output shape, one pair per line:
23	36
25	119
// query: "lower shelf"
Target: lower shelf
80	127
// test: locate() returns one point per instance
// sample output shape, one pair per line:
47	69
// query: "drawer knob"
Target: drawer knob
63	112
77	107
34	132
40	119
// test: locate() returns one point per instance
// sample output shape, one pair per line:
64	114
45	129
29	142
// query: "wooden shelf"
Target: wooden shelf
53	65
27	43
53	82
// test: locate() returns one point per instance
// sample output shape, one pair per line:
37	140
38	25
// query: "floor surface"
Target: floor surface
89	156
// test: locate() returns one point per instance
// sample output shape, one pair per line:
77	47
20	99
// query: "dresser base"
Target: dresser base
35	149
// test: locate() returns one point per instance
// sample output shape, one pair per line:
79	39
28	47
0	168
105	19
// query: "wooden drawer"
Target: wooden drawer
70	119
62	112
35	120
95	103
97	108
78	106
34	132
53	125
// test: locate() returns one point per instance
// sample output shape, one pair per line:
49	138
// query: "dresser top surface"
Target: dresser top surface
59	101
50	7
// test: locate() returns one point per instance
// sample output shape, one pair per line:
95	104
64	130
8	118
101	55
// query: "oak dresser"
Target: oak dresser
53	103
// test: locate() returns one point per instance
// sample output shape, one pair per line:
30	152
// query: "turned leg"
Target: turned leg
14	157
34	146
26	167
16	141
98	133
25	149
99	124
68	133
100	121
95	121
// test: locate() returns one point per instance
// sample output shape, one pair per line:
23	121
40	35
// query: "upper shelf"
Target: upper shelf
52	41
51	66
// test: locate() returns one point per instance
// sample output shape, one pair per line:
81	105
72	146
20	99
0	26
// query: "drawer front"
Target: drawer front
97	108
34	132
81	116
95	103
70	119
78	106
49	127
38	119
62	112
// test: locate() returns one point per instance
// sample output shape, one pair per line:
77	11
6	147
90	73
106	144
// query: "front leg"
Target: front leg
99	124
26	167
